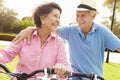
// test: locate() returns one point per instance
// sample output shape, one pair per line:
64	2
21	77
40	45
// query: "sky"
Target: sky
25	7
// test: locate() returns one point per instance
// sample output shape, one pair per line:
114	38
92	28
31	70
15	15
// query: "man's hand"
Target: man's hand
118	50
25	33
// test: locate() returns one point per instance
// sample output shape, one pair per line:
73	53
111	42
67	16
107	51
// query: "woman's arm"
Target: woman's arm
9	52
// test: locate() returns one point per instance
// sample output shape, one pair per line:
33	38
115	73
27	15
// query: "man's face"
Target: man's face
84	19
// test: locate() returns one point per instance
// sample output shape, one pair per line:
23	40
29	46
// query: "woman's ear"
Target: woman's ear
42	19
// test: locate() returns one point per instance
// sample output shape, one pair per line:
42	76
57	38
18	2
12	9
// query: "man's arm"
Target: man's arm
118	50
25	33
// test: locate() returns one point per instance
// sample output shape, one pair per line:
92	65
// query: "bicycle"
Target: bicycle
47	72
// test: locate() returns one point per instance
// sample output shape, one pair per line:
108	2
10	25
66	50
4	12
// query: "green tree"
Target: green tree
109	4
22	24
7	17
116	27
1	8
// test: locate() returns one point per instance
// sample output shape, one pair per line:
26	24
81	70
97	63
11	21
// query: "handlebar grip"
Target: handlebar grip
4	68
51	71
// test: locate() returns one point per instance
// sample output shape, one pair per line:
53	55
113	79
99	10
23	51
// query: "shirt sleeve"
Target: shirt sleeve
9	52
111	40
62	55
63	32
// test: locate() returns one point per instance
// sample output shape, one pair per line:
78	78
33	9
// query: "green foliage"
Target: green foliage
22	24
7	17
9	23
25	22
109	4
7	37
116	30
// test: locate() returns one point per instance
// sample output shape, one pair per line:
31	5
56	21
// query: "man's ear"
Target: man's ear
94	16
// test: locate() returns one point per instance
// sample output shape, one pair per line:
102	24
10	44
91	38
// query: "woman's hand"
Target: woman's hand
25	33
60	70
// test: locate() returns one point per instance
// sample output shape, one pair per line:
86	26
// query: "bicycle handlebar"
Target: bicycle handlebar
25	76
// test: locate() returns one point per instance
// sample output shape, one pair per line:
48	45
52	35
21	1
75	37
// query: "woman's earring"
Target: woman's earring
43	22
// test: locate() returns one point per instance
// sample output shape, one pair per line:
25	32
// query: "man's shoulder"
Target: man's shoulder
100	26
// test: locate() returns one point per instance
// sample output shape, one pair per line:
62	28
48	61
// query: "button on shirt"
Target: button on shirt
35	56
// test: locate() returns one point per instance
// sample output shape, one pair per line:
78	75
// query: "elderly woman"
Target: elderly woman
46	49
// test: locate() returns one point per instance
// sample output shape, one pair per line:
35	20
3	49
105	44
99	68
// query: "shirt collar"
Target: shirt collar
51	34
94	27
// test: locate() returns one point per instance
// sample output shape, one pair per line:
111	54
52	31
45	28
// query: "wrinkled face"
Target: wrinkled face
84	19
52	20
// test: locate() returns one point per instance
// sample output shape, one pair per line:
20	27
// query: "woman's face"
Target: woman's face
52	20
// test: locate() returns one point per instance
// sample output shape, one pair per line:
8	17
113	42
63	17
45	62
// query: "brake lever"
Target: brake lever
95	77
45	77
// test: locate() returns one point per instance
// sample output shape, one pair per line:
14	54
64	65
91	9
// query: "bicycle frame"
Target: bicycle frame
47	72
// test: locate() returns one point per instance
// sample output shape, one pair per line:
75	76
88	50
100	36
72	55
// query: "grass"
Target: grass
2	46
111	70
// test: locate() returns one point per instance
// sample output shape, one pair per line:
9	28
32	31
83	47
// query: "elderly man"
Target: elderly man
87	40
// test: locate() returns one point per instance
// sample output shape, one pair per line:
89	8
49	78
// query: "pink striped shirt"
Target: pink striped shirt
35	56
